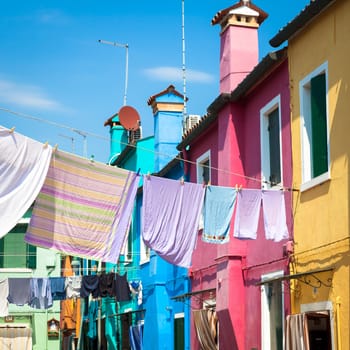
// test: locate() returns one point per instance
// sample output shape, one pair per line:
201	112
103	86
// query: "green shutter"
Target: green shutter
2	252
274	145
179	334
31	256
319	125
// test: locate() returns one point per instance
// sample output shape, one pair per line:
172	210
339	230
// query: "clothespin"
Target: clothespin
236	187
12	130
46	144
55	148
138	172
182	181
240	187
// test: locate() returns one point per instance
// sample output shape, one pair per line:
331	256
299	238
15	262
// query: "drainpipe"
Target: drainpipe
187	317
338	322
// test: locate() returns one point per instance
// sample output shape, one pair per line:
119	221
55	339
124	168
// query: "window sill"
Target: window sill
315	182
15	270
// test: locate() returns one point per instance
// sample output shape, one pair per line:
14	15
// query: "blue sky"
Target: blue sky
55	77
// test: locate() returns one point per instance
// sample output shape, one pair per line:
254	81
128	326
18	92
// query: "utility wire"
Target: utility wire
135	145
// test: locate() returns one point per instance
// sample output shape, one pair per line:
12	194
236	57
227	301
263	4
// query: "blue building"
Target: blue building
163	320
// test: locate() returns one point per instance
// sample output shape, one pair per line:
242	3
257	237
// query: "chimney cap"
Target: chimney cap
221	15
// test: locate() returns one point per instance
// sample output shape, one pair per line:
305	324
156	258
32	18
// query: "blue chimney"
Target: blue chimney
167	107
119	137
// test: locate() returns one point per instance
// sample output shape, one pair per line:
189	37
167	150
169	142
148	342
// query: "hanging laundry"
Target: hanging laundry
83	209
247	213
274	209
41	295
170	217
90	285
106	286
122	290
58	288
136	335
136	290
4	292
23	167
19	291
73	286
218	209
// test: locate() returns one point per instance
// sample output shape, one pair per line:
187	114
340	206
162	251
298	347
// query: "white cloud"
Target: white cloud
26	96
175	74
51	16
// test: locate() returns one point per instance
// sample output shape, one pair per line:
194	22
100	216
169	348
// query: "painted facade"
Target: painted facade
231	277
319	77
19	260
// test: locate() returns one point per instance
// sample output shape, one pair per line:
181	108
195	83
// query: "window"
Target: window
272	317
271	144
179	331
203	168
314	128
14	252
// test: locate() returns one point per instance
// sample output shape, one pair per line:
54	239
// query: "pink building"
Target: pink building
244	140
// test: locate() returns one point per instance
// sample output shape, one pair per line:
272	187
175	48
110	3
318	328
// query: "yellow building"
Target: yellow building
318	53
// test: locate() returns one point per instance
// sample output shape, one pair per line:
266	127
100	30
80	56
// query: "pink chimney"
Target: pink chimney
239	47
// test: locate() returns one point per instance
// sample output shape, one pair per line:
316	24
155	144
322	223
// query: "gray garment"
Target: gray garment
19	291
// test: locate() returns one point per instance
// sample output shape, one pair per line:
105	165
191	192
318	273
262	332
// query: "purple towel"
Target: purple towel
170	217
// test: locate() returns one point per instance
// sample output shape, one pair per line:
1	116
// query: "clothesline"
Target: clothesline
178	157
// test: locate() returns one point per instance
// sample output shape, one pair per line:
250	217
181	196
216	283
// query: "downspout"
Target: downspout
187	318
338	302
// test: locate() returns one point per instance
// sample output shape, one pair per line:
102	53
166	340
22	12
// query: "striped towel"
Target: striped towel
83	208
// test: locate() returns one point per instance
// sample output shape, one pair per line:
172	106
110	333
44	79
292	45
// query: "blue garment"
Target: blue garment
136	334
218	209
58	288
40	291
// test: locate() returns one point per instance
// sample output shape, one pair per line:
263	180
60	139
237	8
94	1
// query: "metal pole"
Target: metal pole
126	46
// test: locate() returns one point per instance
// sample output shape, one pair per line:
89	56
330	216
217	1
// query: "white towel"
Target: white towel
274	209
24	163
4	292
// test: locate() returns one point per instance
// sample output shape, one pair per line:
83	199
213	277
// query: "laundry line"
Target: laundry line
135	145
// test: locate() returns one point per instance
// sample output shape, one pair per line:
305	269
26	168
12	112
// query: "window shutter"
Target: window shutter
274	145
319	125
31	256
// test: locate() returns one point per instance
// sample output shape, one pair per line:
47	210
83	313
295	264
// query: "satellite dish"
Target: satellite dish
129	118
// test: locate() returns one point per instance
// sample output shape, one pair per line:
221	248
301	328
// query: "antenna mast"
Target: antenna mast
184	66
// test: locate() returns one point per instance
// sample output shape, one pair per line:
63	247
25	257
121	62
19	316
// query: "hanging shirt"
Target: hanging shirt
41	295
170	217
58	288
83	208
19	291
4	292
122	290
274	209
73	286
247	213
218	208
23	167
106	285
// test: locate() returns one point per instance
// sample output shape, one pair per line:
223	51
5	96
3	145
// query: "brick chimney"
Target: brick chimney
239	47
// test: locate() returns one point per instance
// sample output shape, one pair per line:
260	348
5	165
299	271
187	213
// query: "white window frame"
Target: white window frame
199	166
265	311
305	125
145	252
265	112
